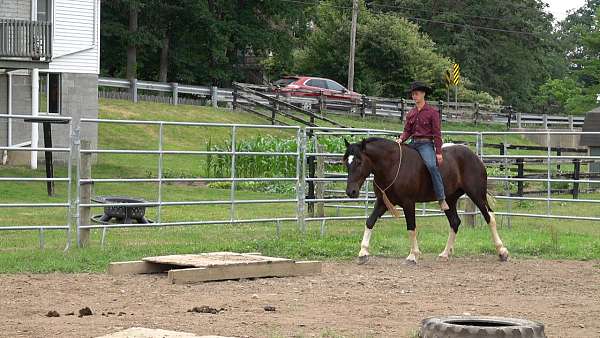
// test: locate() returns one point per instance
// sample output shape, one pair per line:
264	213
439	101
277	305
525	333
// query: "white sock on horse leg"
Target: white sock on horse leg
364	245
449	244
497	241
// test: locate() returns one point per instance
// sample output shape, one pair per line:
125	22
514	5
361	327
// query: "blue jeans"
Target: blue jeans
425	149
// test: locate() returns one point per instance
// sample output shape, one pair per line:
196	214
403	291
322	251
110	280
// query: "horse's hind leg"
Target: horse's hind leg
488	215
454	220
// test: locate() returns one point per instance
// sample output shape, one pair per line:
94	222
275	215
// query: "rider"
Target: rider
424	126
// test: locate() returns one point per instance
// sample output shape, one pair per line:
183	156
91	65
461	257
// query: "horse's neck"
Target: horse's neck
384	160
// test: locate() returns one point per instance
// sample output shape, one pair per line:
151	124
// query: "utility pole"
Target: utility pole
352	45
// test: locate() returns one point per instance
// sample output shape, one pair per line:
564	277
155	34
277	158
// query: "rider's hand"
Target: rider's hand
439	158
399	140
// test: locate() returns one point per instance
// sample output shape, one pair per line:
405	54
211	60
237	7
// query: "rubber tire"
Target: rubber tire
441	327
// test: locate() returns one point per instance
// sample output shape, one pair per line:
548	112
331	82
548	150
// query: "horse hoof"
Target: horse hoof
410	261
503	254
363	259
443	258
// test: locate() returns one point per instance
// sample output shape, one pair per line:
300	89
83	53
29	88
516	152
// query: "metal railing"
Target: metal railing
24	38
394	108
548	158
68	204
160	180
310	186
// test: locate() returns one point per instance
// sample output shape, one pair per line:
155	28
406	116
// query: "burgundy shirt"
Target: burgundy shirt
424	123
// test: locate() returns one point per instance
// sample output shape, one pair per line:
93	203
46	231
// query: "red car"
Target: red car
307	86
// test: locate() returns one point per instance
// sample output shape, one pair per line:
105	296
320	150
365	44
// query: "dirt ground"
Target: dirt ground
385	298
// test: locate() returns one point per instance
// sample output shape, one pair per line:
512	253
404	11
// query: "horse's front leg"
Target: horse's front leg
379	209
411	226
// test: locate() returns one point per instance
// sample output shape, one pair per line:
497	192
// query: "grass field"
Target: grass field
19	251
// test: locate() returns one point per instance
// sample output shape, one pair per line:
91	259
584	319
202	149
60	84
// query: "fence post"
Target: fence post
175	89
520	174
320	186
133	90
363	105
373	106
519	121
571	124
273	111
214	96
235	96
85	197
576	171
508	121
558	153
470	210
502	152
402	108
476	112
301	174
311	185
545	121
321	103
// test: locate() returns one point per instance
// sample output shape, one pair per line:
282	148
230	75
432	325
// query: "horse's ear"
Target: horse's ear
346	143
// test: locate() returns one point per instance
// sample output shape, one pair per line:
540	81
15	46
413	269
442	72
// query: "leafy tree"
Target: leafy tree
198	41
390	51
510	61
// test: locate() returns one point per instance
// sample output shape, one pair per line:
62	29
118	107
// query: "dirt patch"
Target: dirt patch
384	298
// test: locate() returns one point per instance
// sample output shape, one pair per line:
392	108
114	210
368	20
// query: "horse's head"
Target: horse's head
359	167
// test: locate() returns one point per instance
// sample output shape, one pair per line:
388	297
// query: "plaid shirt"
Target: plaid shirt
424	123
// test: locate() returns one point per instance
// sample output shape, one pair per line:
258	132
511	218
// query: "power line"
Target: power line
416	18
426	11
473	26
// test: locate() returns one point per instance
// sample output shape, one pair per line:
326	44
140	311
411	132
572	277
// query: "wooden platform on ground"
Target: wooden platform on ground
216	266
140	332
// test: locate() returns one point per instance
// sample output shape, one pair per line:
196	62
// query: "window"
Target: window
43	10
317	83
43	94
284	82
335	86
49	96
54	93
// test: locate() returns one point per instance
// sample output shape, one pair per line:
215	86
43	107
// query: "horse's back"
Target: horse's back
464	167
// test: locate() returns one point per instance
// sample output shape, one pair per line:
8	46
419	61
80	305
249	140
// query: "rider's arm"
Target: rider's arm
408	128
436	127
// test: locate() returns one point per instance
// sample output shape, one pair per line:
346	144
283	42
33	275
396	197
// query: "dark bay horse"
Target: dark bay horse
401	173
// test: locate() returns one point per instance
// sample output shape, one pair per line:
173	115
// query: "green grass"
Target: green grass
19	251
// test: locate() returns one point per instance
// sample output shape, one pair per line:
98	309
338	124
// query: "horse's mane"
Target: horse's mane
375	139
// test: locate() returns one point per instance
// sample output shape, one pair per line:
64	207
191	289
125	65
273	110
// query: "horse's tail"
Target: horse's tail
490	200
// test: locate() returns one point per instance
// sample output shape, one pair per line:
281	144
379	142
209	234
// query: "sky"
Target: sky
559	8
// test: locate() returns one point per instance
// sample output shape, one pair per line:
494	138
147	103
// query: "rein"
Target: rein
386	200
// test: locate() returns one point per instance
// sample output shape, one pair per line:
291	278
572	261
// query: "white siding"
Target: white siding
76	42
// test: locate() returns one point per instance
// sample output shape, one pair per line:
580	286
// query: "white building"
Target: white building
49	64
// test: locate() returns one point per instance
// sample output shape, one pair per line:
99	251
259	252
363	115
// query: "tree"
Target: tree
511	61
198	41
554	95
390	51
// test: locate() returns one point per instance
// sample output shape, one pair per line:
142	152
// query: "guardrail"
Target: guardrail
394	108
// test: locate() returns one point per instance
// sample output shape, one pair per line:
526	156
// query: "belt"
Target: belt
427	139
